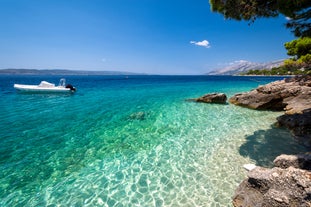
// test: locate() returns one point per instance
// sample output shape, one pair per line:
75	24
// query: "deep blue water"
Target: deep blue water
131	141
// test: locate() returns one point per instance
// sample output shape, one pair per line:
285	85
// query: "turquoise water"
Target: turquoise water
131	141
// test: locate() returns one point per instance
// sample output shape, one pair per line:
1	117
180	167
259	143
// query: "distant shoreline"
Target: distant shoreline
62	72
267	75
85	72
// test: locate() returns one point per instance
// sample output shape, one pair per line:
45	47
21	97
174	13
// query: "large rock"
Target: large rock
301	161
274	187
299	124
219	98
285	184
293	95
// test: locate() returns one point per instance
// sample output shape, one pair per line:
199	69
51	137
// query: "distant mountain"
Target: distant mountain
243	66
61	72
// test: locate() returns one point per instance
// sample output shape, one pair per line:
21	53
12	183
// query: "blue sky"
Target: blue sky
145	36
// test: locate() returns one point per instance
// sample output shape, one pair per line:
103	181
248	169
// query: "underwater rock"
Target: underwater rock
140	115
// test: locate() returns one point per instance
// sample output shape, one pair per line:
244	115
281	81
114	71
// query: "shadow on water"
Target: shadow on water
265	145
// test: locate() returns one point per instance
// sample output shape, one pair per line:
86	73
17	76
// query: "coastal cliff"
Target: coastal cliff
289	182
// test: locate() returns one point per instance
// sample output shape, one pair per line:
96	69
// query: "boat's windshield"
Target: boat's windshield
62	82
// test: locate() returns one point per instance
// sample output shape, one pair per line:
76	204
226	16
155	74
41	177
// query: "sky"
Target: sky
140	36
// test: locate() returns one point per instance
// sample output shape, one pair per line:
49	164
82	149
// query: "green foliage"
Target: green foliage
244	9
289	61
295	69
298	65
298	10
306	59
301	50
299	47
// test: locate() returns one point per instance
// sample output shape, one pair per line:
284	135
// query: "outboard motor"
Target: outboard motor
73	89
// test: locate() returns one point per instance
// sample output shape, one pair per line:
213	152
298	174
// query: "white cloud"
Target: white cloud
203	43
288	18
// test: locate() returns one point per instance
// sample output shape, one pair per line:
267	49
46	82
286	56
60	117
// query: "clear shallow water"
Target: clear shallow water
131	141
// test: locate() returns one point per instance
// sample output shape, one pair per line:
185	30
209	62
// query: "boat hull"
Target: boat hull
40	89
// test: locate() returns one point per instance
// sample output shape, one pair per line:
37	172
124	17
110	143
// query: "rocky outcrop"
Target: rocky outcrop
302	161
276	187
219	98
299	124
289	182
293	95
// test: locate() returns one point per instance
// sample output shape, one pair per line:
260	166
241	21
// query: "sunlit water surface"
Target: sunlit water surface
131	141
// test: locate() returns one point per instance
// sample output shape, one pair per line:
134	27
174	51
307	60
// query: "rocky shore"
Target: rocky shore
289	182
293	95
285	185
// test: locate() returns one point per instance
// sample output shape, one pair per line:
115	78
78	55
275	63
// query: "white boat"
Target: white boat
46	87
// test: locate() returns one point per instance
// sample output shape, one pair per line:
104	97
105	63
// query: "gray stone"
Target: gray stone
219	98
293	95
288	184
274	187
302	161
299	124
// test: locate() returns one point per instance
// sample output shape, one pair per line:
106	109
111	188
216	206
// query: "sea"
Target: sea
132	141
